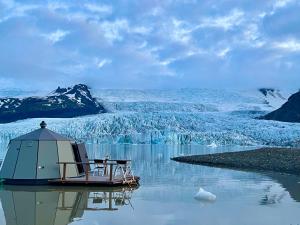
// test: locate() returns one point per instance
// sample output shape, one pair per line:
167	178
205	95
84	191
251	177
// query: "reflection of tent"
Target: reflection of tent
33	157
33	205
42	208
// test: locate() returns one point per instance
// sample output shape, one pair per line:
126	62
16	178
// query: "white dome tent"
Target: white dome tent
34	158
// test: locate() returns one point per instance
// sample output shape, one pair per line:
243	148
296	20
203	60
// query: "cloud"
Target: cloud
281	3
234	18
252	37
223	52
56	36
158	43
54	6
103	62
143	30
180	31
13	10
112	30
97	8
289	45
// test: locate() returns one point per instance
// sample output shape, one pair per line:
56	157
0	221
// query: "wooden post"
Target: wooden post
86	172
110	200
63	200
64	171
105	167
110	172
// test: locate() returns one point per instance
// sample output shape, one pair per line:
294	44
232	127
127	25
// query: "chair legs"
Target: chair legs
98	171
119	169
124	171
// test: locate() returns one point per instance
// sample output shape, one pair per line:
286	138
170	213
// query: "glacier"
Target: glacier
185	116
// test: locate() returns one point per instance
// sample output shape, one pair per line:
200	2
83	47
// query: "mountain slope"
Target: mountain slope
273	97
288	112
61	103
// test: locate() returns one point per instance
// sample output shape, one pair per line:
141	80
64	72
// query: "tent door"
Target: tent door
83	155
77	158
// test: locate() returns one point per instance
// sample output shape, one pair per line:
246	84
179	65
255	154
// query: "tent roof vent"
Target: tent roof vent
43	124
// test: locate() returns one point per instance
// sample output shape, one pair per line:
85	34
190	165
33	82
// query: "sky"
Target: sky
150	43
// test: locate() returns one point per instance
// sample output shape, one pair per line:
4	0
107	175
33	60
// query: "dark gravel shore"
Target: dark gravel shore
283	160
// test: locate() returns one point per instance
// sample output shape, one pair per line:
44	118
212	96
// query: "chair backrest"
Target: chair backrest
98	161
121	162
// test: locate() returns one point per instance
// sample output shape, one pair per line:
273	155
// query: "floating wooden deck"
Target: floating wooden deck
108	178
96	181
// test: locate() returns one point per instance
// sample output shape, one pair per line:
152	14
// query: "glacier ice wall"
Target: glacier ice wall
171	128
206	117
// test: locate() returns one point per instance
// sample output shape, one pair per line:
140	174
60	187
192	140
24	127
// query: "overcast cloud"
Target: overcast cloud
150	44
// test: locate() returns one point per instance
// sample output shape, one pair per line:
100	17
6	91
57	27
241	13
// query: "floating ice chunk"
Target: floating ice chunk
205	196
212	145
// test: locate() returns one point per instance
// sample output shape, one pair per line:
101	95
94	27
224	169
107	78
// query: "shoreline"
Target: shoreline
282	160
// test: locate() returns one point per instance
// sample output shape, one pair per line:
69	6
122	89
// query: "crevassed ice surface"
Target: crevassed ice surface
184	116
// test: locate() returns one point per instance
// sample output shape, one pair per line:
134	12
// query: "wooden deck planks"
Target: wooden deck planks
92	180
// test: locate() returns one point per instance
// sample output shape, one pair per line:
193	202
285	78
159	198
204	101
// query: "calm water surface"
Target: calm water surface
166	194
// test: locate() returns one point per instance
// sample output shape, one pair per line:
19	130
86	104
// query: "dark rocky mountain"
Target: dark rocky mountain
288	112
61	103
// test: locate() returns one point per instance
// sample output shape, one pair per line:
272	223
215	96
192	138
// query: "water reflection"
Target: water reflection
57	205
290	183
272	197
166	194
153	164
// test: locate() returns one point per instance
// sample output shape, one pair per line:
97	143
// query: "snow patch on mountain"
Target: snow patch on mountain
275	97
212	99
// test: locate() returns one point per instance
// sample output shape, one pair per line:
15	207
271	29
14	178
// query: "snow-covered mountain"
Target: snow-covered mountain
288	112
63	103
275	97
264	99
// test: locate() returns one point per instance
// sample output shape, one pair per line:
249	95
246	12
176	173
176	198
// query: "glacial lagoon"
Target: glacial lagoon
165	195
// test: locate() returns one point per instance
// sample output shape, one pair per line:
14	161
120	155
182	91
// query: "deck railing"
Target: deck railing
107	163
